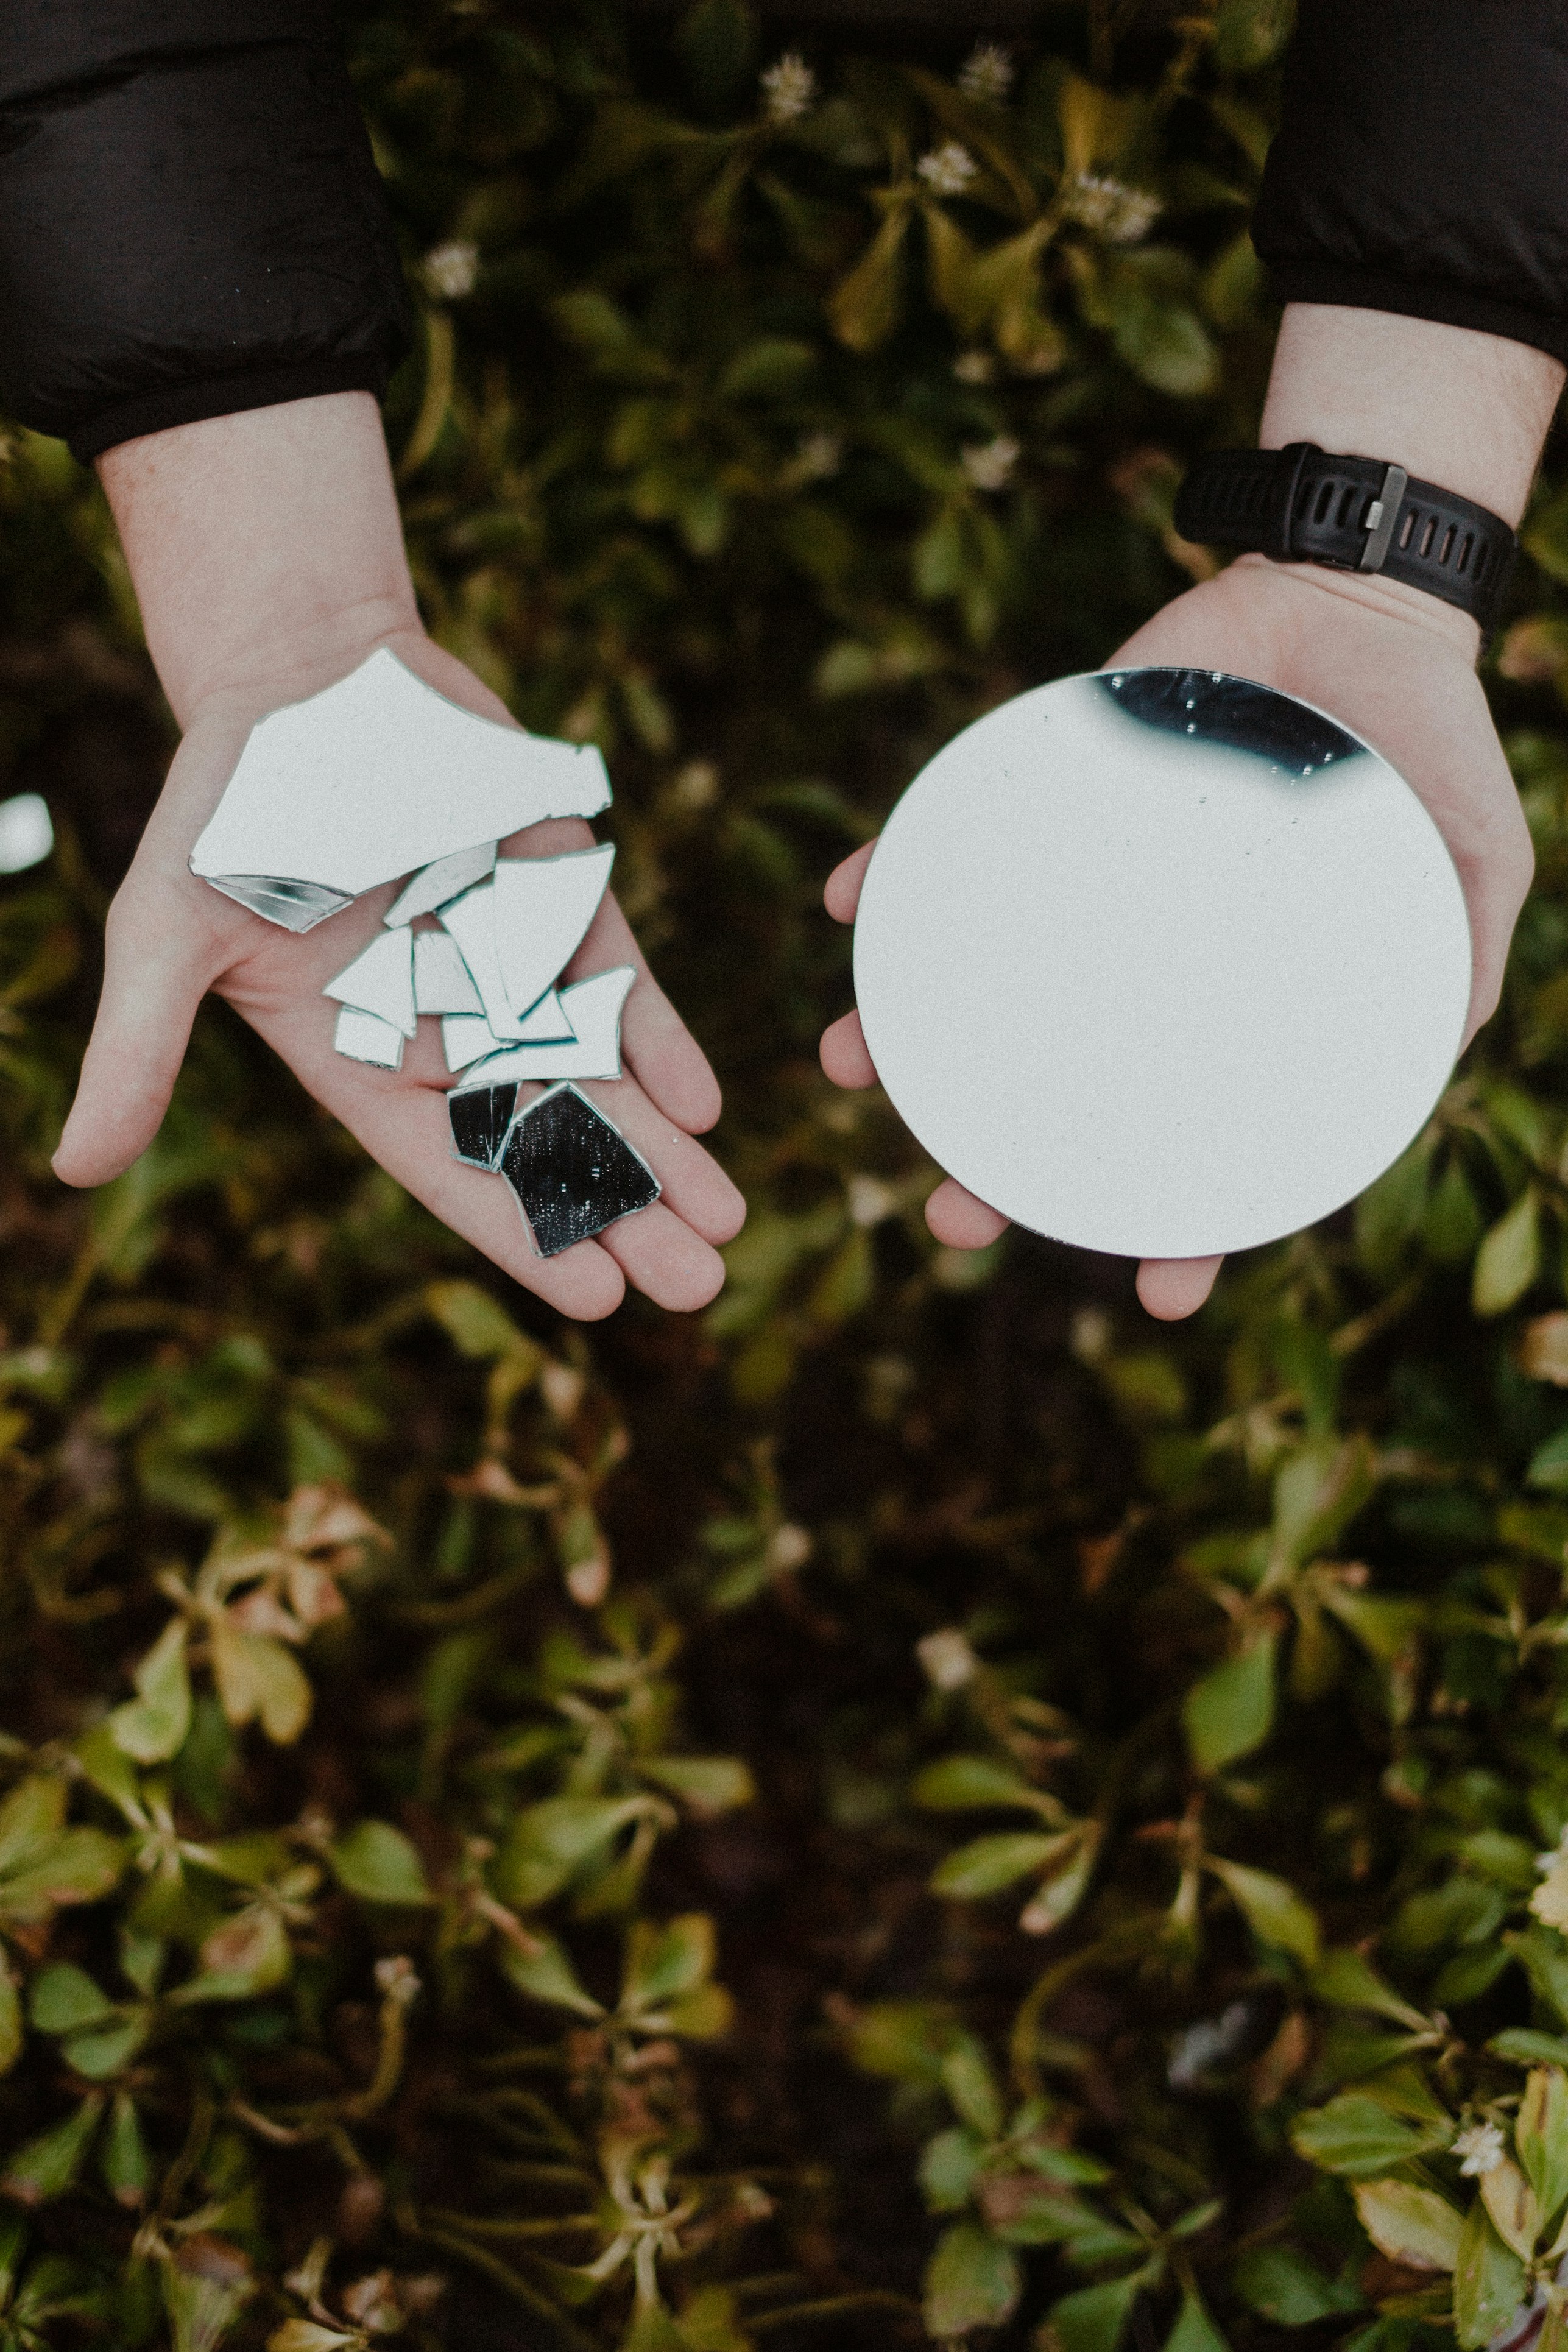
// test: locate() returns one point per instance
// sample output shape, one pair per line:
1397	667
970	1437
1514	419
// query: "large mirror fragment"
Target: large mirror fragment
379	774
572	1170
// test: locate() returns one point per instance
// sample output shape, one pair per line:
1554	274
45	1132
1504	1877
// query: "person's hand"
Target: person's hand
171	938
1394	665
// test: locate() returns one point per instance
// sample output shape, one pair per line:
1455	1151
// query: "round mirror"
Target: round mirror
1162	962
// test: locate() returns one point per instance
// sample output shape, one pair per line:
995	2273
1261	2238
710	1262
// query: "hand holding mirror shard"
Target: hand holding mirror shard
171	938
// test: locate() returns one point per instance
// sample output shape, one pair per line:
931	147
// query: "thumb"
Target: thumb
155	974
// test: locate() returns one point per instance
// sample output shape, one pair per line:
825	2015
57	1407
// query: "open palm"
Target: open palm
170	938
1389	664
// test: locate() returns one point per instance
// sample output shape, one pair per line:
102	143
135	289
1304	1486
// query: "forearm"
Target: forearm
1468	411
262	545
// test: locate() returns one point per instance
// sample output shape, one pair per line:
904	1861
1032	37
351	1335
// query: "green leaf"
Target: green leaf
63	1998
152	1726
1093	2319
1195	2331
1276	1914
1231	1711
78	1866
205	2287
550	1842
967	2079
548	1976
379	1865
989	1864
257	1678
1527	2047
46	2165
106	2049
11	2031
957	1784
1282	2286
1357	2136
905	2040
124	2158
243	1955
705	1785
1410	2225
1345	1980
1488	2282
775	365
864	307
477	1327
970	2282
664	1962
29	1818
1509	1258
949	2166
1541	2138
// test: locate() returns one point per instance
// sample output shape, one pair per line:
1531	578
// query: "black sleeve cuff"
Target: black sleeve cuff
202	234
1417	297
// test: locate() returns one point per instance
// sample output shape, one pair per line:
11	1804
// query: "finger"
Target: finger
960	1220
158	964
1172	1287
670	1063
406	1129
844	1056
841	891
661	1256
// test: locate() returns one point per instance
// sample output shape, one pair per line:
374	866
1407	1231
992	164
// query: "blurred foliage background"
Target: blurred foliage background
918	1804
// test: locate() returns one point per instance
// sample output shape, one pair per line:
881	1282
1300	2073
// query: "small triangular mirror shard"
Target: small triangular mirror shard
295	906
471	920
434	885
380	980
481	1117
542	908
572	1170
379	774
366	1037
442	983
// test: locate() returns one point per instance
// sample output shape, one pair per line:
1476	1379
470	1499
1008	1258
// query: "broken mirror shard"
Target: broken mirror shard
593	1010
366	1037
481	1117
434	885
572	1170
295	906
466	1038
380	980
441	979
543	905
471	922
380	774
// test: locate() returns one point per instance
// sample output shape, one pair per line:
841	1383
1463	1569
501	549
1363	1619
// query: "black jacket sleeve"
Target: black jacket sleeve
1421	165
191	221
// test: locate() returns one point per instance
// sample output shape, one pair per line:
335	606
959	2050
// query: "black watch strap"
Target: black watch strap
1301	505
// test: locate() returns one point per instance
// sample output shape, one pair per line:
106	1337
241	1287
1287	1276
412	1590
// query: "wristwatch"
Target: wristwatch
1359	514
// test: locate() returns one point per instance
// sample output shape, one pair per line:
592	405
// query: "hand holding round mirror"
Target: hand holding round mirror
1162	962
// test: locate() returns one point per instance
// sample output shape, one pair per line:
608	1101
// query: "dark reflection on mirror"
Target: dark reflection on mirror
1234	711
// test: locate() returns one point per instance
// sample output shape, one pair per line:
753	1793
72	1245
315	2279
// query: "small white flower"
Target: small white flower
789	1548
1481	2149
451	268
789	88
948	169
871	1200
986	74
988	465
974	367
948	1660
1119	213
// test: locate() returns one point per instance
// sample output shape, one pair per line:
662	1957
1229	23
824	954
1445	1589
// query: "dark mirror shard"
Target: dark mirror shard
481	1117
572	1170
1214	708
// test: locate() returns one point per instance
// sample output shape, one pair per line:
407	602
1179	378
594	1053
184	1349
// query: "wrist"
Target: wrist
263	547
1388	600
1465	411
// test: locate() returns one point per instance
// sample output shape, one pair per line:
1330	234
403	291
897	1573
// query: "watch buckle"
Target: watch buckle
1381	516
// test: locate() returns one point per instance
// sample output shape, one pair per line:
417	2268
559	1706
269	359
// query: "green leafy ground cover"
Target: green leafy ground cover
917	1802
